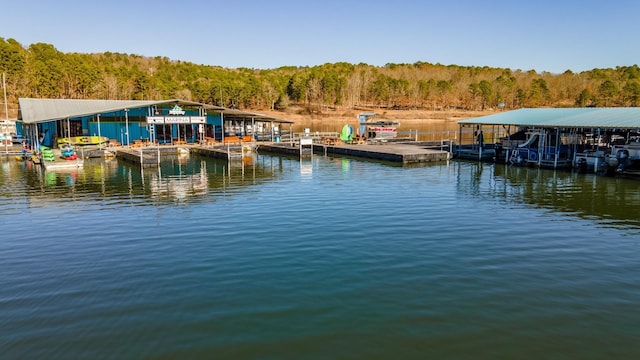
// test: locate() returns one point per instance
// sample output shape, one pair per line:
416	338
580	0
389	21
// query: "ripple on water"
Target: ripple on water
344	258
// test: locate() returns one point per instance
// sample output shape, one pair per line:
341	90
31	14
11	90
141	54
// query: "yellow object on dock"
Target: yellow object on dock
83	140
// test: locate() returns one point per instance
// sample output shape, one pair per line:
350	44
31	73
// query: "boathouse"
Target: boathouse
552	137
43	121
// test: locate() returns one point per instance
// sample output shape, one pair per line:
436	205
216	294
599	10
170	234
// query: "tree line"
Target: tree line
41	71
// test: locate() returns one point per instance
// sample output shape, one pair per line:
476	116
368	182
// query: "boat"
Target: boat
375	128
25	155
63	165
591	161
83	140
625	159
68	158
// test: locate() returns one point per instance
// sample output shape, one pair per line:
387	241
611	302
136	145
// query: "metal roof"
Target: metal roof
619	118
233	114
44	110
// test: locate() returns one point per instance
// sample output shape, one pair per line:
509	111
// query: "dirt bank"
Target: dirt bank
332	120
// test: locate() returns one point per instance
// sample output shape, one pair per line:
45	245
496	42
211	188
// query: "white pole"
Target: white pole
99	135
222	125
555	163
126	121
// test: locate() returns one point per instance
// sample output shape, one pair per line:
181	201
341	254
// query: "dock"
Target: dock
144	157
404	153
151	155
63	164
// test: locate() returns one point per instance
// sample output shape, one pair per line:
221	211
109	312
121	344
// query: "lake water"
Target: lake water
325	258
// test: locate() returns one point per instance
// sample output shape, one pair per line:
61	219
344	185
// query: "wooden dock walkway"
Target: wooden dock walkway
395	152
405	153
151	155
142	157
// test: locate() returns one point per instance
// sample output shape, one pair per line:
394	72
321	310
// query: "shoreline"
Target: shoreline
337	118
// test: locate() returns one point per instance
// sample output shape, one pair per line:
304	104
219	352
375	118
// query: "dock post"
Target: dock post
306	142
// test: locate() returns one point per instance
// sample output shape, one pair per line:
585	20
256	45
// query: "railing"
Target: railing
435	135
410	135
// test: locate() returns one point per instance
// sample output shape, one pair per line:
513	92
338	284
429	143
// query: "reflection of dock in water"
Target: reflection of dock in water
179	187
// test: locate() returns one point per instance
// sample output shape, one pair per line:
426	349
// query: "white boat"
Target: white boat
591	161
375	128
63	164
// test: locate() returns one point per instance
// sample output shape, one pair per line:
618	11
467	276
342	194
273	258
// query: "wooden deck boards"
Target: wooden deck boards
404	153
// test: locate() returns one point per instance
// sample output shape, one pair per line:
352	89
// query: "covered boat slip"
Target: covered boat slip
588	139
134	122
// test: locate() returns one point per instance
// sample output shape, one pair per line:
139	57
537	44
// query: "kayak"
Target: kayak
83	140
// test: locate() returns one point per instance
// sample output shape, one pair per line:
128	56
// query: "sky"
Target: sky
542	35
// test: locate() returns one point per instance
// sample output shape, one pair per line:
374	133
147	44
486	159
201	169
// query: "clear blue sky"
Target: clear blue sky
542	35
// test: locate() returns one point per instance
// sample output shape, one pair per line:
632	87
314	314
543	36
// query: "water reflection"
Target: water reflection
609	200
177	179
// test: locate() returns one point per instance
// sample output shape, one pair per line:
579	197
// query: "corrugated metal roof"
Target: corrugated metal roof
238	114
44	110
620	118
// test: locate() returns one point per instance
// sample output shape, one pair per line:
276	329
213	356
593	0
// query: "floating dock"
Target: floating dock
63	164
151	156
394	152
143	157
405	153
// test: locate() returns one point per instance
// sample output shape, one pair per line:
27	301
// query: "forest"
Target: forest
41	71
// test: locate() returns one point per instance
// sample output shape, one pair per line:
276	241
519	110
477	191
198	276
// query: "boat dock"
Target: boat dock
405	153
63	164
396	152
151	155
143	157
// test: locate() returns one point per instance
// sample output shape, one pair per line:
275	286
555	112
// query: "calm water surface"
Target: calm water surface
324	258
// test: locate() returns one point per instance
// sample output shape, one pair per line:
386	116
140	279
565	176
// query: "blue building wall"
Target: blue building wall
113	126
138	127
47	130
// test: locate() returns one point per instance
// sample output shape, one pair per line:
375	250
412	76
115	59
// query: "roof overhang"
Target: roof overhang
44	110
233	114
616	118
